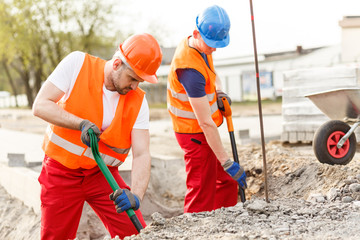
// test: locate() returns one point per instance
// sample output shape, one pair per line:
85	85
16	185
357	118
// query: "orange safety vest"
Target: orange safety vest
181	112
85	101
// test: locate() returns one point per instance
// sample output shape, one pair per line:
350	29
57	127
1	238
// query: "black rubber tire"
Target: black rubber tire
320	143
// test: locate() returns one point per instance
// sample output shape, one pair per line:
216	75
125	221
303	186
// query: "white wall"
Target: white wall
9	101
350	45
350	37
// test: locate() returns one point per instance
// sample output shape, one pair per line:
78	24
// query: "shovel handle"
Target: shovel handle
236	159
226	112
109	177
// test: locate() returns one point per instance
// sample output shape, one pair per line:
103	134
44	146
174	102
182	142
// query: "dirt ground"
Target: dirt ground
293	172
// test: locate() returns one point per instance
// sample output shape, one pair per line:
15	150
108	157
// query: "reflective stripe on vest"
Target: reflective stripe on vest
78	150
119	150
110	161
188	114
184	98
65	144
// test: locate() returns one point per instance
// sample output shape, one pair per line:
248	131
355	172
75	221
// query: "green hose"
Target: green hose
109	177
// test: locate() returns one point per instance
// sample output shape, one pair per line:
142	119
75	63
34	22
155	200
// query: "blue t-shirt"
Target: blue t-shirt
192	80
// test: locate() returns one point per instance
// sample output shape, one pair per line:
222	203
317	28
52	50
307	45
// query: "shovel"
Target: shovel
227	114
109	177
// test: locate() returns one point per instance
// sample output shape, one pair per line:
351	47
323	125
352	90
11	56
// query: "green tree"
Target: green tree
37	34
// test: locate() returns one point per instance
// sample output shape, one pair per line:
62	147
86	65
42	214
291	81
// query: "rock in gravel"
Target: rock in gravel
354	187
356	204
347	199
257	206
316	197
332	194
157	219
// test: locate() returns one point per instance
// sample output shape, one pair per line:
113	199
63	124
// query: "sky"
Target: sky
280	25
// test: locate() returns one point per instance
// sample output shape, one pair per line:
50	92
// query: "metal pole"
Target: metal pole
259	103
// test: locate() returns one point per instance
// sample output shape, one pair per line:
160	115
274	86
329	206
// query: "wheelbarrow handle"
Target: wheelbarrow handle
109	177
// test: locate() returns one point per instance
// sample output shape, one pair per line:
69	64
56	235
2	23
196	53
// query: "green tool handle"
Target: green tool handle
109	177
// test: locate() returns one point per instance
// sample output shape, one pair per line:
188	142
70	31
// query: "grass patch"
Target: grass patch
158	105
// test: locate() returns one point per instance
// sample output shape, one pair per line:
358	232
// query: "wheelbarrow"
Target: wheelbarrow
335	141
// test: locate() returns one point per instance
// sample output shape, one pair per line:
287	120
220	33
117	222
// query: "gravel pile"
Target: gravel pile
257	219
308	200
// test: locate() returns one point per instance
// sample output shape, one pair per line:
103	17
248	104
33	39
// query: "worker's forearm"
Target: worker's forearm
140	174
213	139
53	113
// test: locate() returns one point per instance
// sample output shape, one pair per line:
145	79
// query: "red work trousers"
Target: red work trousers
63	193
208	186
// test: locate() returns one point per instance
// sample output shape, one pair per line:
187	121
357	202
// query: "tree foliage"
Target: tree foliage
37	34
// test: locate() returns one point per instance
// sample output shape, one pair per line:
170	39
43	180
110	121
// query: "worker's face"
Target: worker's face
205	48
201	45
123	79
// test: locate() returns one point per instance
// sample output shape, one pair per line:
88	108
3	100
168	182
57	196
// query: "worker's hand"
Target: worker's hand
85	125
236	172
124	200
219	95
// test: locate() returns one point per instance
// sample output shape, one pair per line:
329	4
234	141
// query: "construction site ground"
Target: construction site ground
306	199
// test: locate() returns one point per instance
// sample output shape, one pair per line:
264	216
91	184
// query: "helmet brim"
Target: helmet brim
148	78
145	77
216	44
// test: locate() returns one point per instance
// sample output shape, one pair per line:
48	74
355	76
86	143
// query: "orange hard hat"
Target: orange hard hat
142	52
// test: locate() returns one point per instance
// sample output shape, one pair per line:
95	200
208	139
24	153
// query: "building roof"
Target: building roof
275	56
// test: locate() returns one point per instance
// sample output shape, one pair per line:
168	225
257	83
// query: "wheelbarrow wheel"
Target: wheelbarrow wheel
325	143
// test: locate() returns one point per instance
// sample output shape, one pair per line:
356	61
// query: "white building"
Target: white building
238	73
292	75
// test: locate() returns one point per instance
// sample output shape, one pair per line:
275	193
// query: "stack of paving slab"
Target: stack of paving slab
20	163
300	117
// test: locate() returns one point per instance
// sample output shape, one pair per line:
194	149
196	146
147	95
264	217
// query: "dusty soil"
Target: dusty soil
305	199
17	220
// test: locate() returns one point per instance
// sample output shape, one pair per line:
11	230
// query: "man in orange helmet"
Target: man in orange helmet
85	92
194	89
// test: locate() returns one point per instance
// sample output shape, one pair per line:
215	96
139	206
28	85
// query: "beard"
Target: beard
123	91
120	90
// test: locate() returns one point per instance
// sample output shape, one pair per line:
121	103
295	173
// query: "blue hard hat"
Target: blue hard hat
214	25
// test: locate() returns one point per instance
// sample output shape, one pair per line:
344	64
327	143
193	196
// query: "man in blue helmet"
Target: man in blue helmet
194	89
